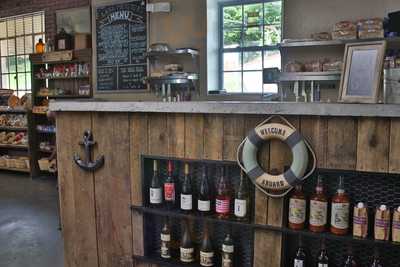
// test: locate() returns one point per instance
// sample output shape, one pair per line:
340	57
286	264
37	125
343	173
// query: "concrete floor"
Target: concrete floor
29	235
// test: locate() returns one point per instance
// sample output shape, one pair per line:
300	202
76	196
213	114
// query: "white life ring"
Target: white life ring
263	180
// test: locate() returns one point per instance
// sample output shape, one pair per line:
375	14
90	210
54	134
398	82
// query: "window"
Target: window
18	36
249	38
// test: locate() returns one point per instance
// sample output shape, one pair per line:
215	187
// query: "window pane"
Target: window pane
11	28
11	47
233	82
28	45
20	45
3	29
253	14
12	64
3	48
28	81
22	81
232	61
272	59
252	60
28	25
252	36
273	12
13	81
252	82
232	16
19	26
271	88
5	82
37	24
272	35
20	64
4	65
232	38
27	63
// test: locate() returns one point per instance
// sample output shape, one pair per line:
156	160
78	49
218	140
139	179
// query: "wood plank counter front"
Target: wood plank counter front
99	227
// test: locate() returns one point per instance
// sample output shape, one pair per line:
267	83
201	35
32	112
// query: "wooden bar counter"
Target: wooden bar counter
99	227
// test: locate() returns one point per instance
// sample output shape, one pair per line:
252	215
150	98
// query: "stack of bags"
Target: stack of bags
370	28
344	30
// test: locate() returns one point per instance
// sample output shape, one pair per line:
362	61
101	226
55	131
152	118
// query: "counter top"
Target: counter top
224	107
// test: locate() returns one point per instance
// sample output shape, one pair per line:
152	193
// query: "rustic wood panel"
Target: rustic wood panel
394	148
233	135
342	144
113	190
373	144
176	135
213	137
138	124
76	187
157	134
194	139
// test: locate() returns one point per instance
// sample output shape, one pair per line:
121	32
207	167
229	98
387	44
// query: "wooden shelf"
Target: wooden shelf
13	146
63	78
165	262
64	96
12	111
14	169
392	40
13	129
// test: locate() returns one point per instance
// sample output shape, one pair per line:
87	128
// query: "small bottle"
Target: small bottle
169	187
297	209
49	45
242	200
186	192
382	223
323	260
204	195
301	258
376	262
156	196
350	261
223	198
166	241
39	48
227	252
318	208
340	211
186	247
206	250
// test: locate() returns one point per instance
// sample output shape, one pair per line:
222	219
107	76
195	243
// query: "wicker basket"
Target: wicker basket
3	162
20	164
44	164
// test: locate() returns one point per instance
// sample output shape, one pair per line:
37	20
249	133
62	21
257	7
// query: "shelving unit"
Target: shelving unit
69	85
392	40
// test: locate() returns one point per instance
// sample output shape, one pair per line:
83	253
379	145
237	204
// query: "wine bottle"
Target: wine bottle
166	241
340	211
301	259
318	208
350	261
376	262
169	187
323	260
186	192
227	252
223	198
155	187
186	247
206	250
297	209
242	200
204	196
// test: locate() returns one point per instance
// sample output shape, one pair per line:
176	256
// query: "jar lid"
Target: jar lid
383	207
361	205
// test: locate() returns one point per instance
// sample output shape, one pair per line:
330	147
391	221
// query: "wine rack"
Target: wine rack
370	188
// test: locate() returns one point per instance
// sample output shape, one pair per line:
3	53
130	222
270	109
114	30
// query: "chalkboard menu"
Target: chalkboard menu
121	33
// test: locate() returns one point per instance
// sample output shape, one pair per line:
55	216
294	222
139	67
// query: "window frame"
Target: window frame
241	49
27	72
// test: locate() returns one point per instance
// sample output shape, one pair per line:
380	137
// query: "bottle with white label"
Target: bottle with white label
323	260
186	191
166	241
318	208
301	258
242	200
297	209
206	250
340	211
204	195
186	247
156	194
227	252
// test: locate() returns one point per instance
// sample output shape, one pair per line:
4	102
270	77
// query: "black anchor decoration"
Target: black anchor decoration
87	164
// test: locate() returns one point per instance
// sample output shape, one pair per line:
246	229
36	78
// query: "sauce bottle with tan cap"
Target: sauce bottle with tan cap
340	210
318	208
297	209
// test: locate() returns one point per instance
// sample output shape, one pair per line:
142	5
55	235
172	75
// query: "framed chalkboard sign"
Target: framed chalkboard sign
120	46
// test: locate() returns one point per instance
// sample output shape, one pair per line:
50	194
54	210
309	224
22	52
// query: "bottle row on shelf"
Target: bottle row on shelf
340	221
71	70
225	203
205	255
303	258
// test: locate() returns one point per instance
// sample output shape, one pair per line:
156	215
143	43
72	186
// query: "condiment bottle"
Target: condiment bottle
323	260
350	261
206	250
39	48
242	200
360	220
318	208
223	197
382	223
156	196
186	192
376	262
396	226
301	258
166	241
204	195
297	209
227	252
340	211
186	247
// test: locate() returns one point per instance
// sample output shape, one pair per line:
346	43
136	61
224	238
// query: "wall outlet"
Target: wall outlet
159	7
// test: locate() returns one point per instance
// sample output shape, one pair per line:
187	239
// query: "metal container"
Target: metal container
391	86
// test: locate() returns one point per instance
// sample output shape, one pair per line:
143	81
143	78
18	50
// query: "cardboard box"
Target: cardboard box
82	41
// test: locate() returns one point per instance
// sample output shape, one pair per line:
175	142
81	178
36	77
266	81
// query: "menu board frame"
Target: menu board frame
101	5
